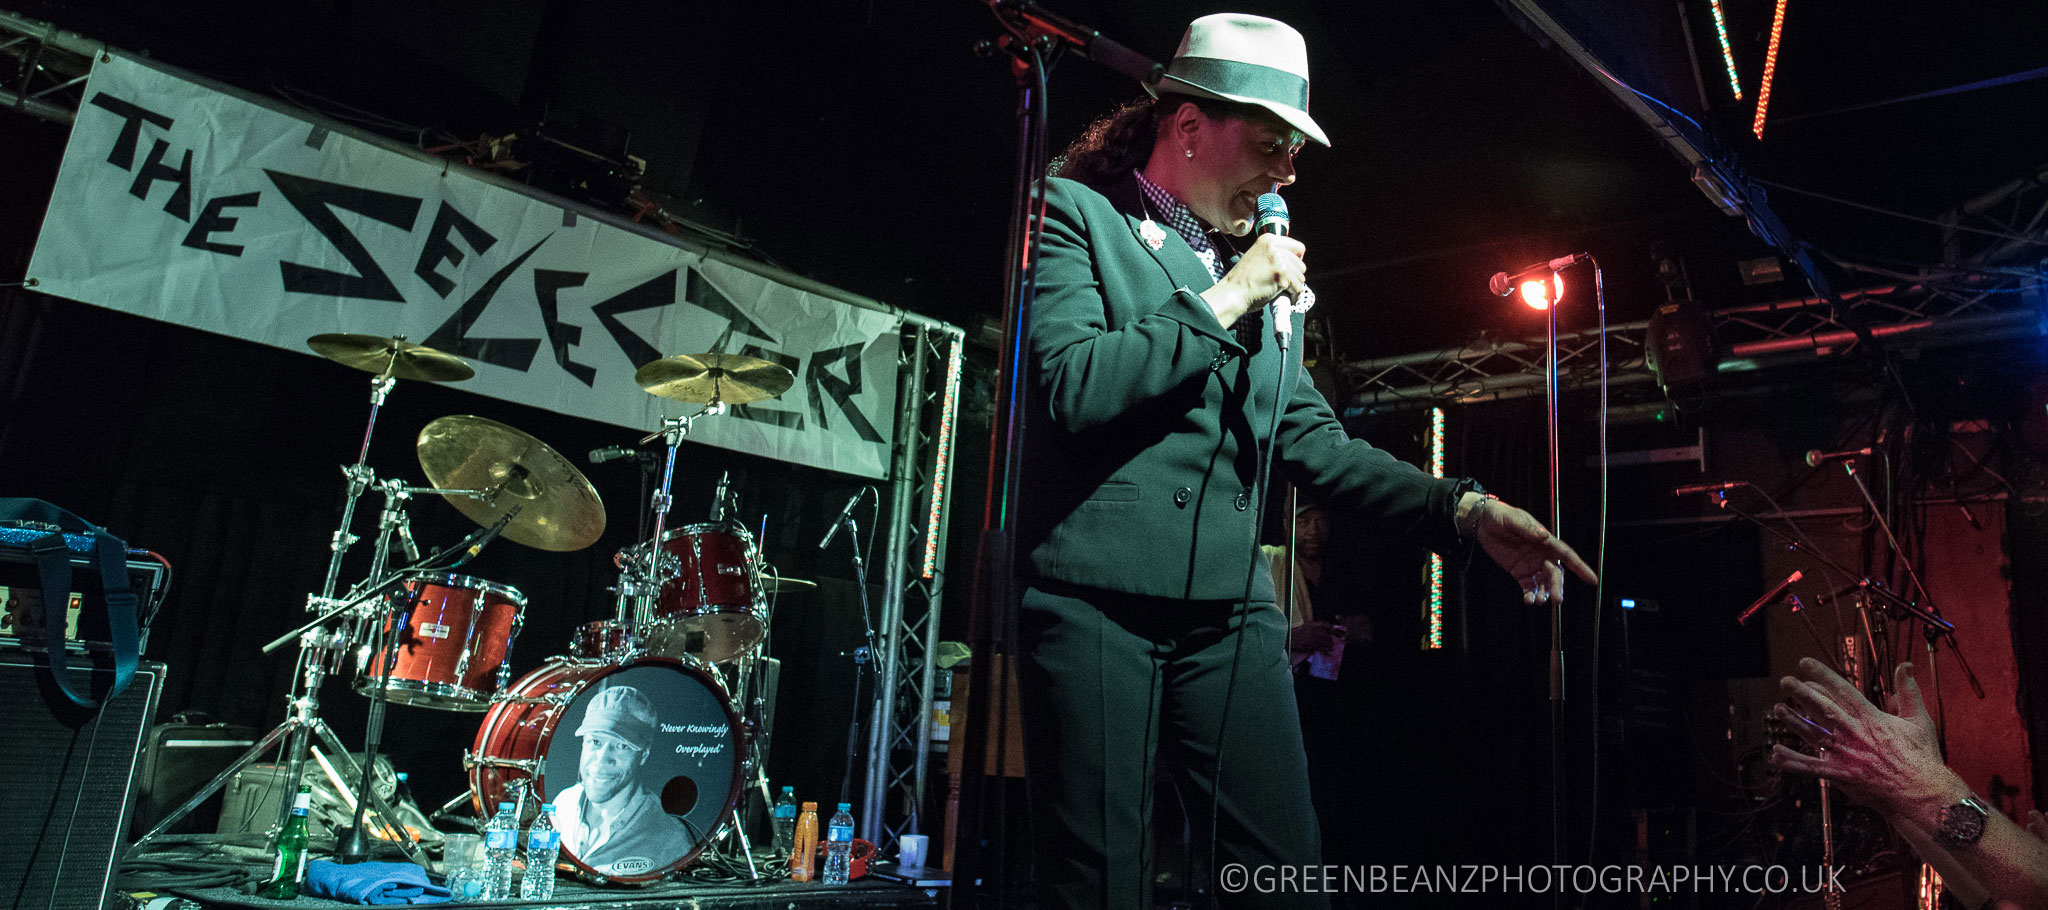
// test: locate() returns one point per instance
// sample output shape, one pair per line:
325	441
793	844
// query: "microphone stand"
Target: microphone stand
861	657
1554	472
1936	626
1029	36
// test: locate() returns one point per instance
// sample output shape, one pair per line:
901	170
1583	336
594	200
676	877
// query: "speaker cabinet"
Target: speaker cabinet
69	778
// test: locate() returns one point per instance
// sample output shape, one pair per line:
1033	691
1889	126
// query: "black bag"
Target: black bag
53	549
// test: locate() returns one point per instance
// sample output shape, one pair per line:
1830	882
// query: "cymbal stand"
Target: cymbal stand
672	431
360	479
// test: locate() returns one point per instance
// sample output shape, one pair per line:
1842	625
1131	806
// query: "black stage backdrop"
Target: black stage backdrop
224	456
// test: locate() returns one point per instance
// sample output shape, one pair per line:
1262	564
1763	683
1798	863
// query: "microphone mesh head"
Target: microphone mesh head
1272	208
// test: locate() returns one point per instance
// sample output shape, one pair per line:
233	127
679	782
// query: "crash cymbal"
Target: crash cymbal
703	378
773	583
559	509
397	357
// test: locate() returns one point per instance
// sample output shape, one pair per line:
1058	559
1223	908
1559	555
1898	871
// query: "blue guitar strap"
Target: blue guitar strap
53	553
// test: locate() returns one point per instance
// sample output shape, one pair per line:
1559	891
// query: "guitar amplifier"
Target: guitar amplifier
19	576
70	776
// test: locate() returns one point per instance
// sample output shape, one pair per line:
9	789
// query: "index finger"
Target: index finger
1569	558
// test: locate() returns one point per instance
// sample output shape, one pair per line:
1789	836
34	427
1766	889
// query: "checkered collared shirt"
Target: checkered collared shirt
1174	214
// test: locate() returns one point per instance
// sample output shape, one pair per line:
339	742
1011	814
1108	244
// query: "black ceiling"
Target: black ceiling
864	144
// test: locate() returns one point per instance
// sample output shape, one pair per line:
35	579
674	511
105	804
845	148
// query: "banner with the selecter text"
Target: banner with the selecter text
193	205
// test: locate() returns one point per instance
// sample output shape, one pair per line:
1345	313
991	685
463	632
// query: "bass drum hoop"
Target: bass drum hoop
503	727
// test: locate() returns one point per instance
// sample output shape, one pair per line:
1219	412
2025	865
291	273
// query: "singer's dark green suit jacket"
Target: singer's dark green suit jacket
1145	416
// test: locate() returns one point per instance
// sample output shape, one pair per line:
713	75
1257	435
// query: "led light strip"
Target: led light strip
1763	92
1436	563
949	407
1727	53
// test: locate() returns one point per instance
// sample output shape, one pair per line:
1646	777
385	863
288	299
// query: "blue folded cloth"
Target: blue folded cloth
373	883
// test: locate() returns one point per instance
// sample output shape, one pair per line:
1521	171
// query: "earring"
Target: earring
1191	153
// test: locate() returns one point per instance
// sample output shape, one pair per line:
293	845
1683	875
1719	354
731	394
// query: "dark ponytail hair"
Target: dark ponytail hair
1118	143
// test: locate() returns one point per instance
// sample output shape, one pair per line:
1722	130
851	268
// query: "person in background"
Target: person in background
1890	759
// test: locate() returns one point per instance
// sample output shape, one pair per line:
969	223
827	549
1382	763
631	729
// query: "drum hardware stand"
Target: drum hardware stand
321	651
359	479
353	846
672	431
318	647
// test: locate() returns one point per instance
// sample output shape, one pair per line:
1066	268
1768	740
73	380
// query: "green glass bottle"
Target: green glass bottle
291	852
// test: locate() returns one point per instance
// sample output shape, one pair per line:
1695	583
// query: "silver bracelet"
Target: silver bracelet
1468	527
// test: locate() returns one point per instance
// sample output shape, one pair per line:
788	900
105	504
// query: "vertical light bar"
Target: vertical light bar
949	407
1763	91
1435	640
1727	53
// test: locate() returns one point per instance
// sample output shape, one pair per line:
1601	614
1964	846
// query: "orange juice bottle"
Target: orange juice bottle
804	853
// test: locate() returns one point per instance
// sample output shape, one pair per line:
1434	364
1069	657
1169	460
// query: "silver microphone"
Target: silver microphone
1273	220
844	514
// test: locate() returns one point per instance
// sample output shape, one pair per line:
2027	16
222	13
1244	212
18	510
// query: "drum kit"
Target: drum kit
688	636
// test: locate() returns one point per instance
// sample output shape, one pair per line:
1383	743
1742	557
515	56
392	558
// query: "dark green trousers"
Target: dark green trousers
1118	688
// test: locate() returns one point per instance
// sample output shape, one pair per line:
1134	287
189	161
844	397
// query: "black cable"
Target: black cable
1260	484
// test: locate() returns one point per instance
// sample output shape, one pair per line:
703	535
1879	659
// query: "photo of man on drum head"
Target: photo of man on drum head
610	818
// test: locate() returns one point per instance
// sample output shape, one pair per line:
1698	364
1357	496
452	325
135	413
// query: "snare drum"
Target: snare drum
675	791
710	603
460	632
606	640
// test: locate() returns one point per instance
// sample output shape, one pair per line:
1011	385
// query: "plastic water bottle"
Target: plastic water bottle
501	842
785	821
839	846
542	841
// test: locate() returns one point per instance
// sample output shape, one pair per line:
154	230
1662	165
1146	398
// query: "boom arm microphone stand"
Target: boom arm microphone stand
862	656
1934	626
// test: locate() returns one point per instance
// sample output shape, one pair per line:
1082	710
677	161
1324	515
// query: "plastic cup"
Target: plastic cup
463	862
910	850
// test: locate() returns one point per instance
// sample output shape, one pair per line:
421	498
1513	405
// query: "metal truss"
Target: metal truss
899	732
49	67
1964	306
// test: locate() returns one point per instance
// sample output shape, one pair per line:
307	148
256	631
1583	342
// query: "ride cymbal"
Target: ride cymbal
394	357
704	378
560	510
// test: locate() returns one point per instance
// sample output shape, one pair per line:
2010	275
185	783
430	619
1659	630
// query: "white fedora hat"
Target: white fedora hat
1246	59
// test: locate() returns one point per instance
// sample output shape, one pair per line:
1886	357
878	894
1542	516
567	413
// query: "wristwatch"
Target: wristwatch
1468	526
1962	824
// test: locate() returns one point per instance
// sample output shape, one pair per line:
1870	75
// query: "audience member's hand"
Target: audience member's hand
2037	824
1312	637
1357	629
1889	760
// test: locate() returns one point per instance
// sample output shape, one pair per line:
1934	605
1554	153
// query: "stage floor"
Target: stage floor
569	895
204	871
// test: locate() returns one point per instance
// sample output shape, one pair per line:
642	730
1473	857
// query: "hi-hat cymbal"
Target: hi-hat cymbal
559	509
704	378
397	357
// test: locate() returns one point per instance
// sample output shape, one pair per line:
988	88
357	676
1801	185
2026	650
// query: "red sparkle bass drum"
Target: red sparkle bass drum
642	761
